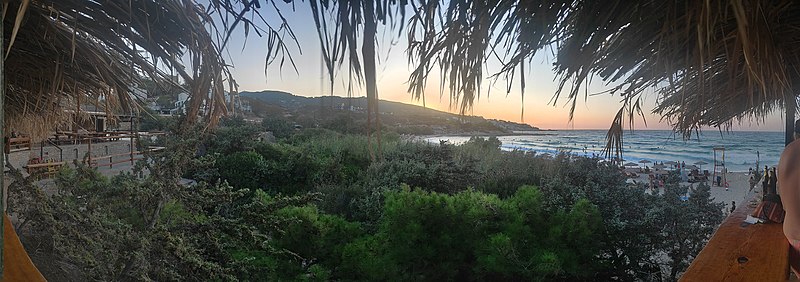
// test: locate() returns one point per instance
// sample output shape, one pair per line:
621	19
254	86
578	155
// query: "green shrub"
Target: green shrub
243	170
233	135
280	128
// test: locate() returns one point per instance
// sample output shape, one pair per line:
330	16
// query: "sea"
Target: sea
743	149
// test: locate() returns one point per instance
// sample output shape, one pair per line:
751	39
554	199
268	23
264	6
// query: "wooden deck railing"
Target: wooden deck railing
19	144
742	252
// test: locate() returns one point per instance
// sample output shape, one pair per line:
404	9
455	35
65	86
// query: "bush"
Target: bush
151	121
243	170
233	135
430	167
280	128
472	235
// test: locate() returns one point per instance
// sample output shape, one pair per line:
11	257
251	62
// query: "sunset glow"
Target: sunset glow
593	112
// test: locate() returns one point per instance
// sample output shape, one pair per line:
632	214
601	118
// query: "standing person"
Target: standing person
764	184
733	206
773	182
789	183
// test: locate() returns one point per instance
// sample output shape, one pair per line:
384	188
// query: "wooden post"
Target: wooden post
135	127
2	155
77	112
90	152
130	137
791	108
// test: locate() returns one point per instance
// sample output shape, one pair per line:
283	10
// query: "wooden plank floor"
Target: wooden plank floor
742	252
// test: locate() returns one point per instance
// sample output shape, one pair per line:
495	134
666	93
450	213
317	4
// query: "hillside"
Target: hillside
347	114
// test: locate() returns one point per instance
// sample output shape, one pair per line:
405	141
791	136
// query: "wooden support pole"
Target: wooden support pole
3	154
791	108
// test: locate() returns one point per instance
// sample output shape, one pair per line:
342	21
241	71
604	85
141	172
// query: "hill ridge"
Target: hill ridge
414	118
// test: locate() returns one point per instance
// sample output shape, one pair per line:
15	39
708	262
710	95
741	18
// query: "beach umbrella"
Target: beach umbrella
700	164
645	161
631	164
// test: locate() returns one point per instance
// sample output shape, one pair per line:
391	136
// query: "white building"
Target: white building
180	104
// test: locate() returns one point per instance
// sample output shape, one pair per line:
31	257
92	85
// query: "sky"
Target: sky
248	55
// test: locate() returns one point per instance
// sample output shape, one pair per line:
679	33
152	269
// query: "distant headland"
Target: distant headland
351	112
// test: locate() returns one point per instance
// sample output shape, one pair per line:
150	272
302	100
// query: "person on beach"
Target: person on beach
764	184
766	172
733	206
773	182
752	182
788	181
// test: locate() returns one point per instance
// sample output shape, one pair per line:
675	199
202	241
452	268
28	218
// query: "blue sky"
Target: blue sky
595	112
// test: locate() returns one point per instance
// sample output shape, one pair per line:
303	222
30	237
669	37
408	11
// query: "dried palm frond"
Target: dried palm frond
67	51
711	62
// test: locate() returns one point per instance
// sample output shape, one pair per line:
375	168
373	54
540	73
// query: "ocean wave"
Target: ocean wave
740	147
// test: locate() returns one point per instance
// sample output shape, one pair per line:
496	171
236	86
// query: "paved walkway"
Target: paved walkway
71	153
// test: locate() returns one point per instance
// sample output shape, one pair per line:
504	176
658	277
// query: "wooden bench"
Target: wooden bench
49	169
19	144
742	252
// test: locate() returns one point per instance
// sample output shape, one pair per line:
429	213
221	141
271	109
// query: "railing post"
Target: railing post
131	146
90	152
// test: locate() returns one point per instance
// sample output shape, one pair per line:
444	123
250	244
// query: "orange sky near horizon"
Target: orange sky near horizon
595	112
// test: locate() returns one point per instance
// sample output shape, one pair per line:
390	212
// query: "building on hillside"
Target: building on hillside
180	104
239	105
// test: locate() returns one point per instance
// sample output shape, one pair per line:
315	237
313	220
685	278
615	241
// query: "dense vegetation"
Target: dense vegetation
311	206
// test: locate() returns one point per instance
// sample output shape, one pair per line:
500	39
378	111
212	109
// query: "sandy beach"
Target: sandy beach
738	189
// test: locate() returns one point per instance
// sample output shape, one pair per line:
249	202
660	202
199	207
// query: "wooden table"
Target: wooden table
49	168
742	252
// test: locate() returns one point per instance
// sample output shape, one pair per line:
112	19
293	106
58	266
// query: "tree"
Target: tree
688	224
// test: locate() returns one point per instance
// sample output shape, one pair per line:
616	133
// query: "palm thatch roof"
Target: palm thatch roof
60	53
709	63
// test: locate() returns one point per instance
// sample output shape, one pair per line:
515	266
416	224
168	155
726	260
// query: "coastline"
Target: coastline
743	150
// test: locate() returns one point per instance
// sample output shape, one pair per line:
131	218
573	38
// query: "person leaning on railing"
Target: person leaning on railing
789	188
